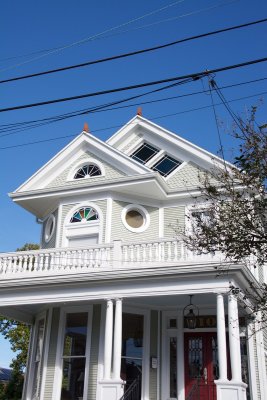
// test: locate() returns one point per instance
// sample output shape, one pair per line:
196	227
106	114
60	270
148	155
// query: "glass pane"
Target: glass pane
130	370
144	153
195	357
172	323
75	334
173	367
134	218
73	379
166	165
215	361
132	335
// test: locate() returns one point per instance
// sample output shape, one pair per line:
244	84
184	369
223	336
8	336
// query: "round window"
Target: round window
49	228
135	218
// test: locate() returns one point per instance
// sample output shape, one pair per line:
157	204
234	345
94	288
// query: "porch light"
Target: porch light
190	313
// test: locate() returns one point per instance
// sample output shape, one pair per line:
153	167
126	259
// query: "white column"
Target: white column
108	340
221	337
234	339
117	340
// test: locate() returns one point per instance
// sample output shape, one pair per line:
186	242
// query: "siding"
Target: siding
133	139
93	368
111	173
174	221
50	372
102	204
153	353
187	177
120	232
52	241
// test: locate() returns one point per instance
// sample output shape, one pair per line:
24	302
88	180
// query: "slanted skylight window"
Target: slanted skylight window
144	153
87	170
166	165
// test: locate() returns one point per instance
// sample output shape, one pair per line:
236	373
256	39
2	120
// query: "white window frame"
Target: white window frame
142	211
80	229
29	394
50	220
78	165
60	345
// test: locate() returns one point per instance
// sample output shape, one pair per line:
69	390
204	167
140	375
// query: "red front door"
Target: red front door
201	365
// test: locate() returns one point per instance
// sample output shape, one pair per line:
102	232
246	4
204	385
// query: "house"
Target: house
119	307
5	375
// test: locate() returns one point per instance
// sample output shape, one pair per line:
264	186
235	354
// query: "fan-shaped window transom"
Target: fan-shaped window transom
84	214
87	170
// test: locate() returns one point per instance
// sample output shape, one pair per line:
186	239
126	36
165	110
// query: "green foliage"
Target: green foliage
18	335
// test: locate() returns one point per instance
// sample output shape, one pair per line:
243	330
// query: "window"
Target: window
144	153
87	170
84	214
200	217
135	218
74	356
49	228
166	165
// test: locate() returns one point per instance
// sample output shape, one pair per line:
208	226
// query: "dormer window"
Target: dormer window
144	153
84	214
166	165
87	170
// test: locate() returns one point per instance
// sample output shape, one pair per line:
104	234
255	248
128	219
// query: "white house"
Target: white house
107	292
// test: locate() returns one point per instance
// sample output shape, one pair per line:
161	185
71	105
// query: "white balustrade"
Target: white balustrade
113	255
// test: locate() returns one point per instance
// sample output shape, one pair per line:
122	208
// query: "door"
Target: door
201	365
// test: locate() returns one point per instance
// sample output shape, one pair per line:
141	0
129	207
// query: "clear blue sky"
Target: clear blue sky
29	27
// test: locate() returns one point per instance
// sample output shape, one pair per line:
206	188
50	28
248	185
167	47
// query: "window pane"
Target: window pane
132	335
166	165
144	153
73	379
173	367
75	334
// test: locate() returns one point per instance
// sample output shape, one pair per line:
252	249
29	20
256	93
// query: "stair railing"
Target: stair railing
133	391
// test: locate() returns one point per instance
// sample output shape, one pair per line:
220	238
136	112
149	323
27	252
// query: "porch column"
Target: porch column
108	339
221	337
117	340
234	339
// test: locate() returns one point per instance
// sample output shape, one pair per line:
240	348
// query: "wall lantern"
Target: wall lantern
190	313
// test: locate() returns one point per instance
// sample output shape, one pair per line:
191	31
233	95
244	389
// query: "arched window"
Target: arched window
84	214
87	170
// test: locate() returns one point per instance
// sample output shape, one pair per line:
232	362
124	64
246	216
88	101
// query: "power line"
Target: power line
194	76
95	36
102	108
133	53
119	126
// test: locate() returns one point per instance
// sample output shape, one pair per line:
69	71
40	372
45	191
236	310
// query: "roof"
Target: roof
5	374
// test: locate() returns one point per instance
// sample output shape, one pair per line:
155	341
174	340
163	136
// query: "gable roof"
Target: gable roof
83	142
166	138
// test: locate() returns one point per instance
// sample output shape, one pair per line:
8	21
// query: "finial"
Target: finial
86	127
139	111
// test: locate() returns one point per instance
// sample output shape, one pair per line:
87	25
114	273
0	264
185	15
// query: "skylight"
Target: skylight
166	165
144	153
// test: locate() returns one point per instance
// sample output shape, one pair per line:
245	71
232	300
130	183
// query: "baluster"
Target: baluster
25	263
150	252
74	260
107	256
20	264
10	265
30	263
96	257
90	258
131	253
156	246
41	262
79	259
4	265
35	263
175	250
169	251
46	261
125	254
68	260
144	247
138	258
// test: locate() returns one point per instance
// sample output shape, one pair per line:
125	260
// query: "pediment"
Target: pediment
84	149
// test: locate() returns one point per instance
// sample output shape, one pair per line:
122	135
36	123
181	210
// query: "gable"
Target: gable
109	172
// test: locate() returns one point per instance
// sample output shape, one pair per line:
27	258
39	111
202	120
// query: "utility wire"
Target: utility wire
119	126
194	76
95	36
133	53
44	121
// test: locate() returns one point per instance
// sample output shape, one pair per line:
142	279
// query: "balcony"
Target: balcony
116	255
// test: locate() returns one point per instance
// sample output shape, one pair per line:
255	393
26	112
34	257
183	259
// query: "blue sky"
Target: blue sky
30	27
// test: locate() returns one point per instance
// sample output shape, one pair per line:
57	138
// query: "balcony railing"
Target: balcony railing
107	256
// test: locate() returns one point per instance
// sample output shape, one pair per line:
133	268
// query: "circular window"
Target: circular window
49	228
87	170
135	218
